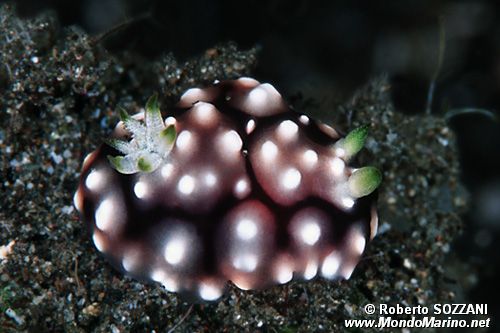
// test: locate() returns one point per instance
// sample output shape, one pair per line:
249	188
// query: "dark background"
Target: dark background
330	48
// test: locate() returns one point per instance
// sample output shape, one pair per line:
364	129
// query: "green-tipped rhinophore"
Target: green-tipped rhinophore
144	165
353	142
152	117
169	134
364	181
152	104
151	141
121	164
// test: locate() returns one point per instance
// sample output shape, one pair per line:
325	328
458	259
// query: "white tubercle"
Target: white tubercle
290	179
331	265
99	241
105	215
186	184
209	291
141	189
250	126
287	130
95	180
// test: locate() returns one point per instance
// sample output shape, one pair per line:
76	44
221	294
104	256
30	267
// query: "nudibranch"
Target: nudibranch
233	185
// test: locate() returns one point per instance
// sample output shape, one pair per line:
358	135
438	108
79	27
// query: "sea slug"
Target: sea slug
233	185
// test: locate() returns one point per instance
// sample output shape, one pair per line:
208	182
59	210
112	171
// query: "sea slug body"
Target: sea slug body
232	186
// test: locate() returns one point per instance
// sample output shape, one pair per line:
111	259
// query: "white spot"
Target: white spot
105	215
170	121
204	112
209	291
287	130
130	261
167	282
192	95
167	170
184	140
247	81
210	179
250	126
269	150
358	243
311	270
175	251
270	90
94	180
310	233
98	242
337	166
310	158
186	185
263	100
245	262
191	92
291	179
242	188
231	142
258	96
158	275
78	200
246	229
304	119
170	284
347	202
284	273
140	189
330	265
